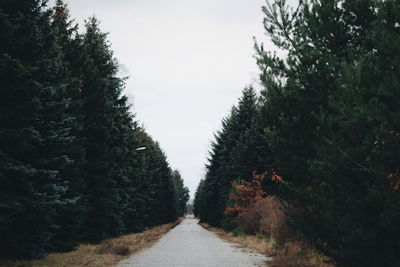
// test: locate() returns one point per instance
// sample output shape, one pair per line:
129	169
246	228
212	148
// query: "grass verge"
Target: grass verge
291	254
107	253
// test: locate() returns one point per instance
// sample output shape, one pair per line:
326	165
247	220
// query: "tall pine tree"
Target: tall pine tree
34	133
330	111
101	90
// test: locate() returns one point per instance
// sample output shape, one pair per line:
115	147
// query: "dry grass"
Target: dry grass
258	244
291	254
298	254
106	253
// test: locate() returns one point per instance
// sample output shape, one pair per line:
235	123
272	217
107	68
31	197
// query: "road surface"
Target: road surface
189	244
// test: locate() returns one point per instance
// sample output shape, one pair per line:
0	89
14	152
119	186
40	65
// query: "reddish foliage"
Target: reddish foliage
245	194
394	179
256	212
276	177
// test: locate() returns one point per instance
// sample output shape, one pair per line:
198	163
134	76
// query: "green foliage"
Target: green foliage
328	123
182	193
331	106
69	217
34	133
70	170
102	131
199	199
237	232
230	159
229	225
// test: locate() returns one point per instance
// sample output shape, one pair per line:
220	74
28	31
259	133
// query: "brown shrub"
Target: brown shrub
265	216
298	254
249	220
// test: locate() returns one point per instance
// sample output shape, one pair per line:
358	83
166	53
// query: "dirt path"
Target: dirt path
189	244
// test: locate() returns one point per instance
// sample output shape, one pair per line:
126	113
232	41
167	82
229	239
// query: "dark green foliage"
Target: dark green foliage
69	165
34	133
162	207
332	111
229	159
199	199
182	193
101	91
328	123
69	217
229	225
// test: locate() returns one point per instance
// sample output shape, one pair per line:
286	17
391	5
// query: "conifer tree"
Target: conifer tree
34	133
330	111
70	170
163	200
101	90
70	217
182	193
221	170
198	199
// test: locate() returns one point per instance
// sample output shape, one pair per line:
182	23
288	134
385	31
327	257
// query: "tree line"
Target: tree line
325	129
70	167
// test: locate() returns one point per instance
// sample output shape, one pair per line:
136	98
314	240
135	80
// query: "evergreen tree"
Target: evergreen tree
34	133
139	196
253	154
330	109
70	169
164	201
198	199
156	197
182	193
101	90
70	217
221	170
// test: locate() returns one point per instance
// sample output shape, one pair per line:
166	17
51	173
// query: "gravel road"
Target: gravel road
189	244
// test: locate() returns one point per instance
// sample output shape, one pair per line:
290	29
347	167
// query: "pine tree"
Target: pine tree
329	111
139	196
221	170
198	199
101	90
69	165
164	208
34	131
182	193
70	217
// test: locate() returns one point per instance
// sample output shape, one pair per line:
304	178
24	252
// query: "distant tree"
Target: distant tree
221	169
189	208
182	193
198	199
165	202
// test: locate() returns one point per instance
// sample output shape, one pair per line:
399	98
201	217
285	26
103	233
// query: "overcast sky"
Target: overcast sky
188	61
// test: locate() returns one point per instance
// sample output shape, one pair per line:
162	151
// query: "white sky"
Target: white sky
188	61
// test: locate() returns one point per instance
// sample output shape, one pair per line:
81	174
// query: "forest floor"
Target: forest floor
107	253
